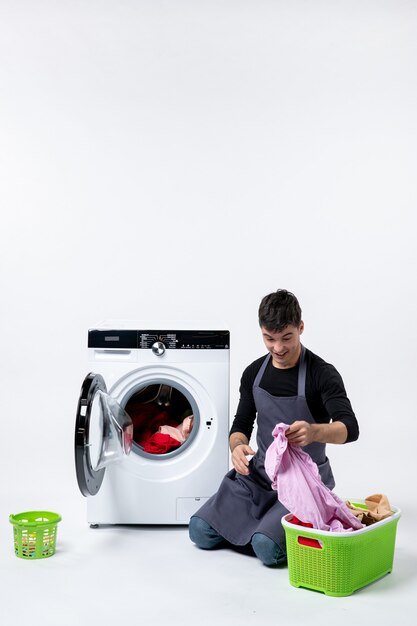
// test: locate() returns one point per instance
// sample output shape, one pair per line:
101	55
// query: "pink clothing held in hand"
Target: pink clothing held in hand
300	489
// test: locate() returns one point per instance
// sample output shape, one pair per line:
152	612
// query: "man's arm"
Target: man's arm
337	405
302	433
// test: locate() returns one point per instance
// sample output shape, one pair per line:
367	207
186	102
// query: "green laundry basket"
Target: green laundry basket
338	564
34	534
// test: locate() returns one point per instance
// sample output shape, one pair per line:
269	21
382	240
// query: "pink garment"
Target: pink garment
300	488
180	433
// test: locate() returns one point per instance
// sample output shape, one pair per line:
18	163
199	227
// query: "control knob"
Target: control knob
158	348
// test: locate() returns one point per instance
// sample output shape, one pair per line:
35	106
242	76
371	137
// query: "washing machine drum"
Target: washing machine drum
103	434
163	419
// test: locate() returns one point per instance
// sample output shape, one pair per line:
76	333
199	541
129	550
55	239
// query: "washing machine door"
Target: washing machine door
103	434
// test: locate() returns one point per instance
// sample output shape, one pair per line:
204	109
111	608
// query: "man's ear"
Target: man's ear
301	327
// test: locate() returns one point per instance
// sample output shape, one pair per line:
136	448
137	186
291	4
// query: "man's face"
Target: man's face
284	345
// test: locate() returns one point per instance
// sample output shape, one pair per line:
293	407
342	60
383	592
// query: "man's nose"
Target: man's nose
277	346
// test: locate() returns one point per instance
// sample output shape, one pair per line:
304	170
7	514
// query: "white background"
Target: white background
181	159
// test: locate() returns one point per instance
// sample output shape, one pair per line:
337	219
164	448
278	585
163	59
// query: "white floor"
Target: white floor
153	575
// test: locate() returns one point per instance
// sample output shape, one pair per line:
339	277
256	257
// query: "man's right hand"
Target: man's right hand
239	458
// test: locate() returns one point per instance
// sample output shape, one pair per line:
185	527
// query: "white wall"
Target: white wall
181	159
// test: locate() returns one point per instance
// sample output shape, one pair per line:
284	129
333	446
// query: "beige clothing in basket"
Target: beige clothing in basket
378	509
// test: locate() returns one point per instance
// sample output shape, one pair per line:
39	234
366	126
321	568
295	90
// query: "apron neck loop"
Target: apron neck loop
302	372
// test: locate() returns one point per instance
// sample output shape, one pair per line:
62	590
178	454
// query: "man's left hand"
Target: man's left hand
300	433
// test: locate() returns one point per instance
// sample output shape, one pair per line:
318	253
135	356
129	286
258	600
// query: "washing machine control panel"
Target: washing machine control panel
158	341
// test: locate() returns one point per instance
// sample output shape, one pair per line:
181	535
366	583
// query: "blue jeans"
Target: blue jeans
205	537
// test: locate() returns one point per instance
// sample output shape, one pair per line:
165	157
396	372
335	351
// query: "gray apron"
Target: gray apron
245	505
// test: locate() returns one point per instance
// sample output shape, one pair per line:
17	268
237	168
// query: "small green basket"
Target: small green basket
340	563
34	534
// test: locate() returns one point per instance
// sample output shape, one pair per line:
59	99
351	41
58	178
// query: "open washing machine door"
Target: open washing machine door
103	434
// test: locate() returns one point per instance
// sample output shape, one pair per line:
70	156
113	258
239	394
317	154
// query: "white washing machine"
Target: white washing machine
144	374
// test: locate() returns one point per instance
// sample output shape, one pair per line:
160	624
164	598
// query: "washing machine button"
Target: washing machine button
158	348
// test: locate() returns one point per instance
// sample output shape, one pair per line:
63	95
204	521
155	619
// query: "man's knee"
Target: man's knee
267	550
203	535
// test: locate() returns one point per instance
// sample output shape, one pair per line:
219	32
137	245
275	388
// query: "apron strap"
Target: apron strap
261	371
302	373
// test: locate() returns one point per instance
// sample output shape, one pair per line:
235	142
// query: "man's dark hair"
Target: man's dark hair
279	309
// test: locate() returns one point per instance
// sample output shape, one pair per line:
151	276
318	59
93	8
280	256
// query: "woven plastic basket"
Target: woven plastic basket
340	563
34	534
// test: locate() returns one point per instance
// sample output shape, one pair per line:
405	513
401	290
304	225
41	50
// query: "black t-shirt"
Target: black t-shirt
325	393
